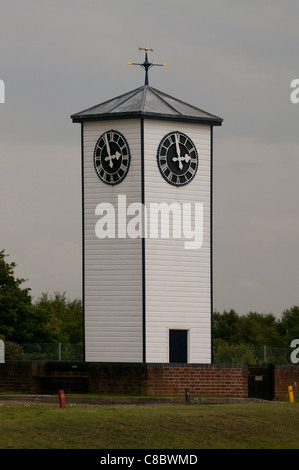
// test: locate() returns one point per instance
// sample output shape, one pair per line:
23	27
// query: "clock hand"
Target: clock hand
178	151
111	157
186	159
179	158
109	153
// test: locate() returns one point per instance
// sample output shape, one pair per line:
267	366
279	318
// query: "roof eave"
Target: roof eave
212	121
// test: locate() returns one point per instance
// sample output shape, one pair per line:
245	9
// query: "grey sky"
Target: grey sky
232	58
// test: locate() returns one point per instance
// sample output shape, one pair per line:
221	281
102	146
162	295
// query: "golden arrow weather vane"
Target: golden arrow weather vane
146	65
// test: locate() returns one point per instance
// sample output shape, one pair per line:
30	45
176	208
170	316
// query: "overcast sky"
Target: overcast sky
232	58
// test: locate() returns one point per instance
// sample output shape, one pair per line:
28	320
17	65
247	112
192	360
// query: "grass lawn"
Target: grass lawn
230	426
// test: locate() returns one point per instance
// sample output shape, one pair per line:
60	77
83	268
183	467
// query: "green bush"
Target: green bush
234	354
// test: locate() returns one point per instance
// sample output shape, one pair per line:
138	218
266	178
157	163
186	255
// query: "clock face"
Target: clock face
177	158
111	157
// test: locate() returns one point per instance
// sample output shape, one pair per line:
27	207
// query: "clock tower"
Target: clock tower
147	228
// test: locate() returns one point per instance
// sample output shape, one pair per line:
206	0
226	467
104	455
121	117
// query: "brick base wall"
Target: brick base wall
18	376
229	380
285	376
122	378
200	379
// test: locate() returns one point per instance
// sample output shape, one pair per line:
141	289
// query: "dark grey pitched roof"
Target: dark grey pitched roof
146	102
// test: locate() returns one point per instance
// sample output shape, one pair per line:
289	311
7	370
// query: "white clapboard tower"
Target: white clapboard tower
147	228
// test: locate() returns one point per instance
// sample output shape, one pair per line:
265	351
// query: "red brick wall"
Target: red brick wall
285	376
117	378
200	379
18	376
147	379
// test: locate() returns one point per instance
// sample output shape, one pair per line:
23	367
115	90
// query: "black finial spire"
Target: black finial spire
146	64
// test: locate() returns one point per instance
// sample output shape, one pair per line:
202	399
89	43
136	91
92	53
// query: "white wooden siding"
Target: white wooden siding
178	290
113	267
177	280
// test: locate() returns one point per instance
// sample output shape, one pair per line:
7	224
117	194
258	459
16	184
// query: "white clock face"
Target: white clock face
111	157
177	158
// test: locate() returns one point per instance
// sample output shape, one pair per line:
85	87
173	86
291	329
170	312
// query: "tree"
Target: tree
15	304
258	329
61	319
48	320
225	326
288	326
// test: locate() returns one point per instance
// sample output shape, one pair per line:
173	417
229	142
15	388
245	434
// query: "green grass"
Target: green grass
237	426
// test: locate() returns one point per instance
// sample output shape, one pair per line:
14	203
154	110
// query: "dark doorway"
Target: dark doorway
178	341
261	381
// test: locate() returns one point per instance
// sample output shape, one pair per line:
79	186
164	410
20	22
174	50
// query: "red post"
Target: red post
61	398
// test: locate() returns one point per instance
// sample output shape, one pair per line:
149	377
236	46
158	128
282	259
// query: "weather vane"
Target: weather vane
146	64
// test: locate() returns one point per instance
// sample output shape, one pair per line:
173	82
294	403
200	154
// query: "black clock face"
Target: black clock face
177	158
111	157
